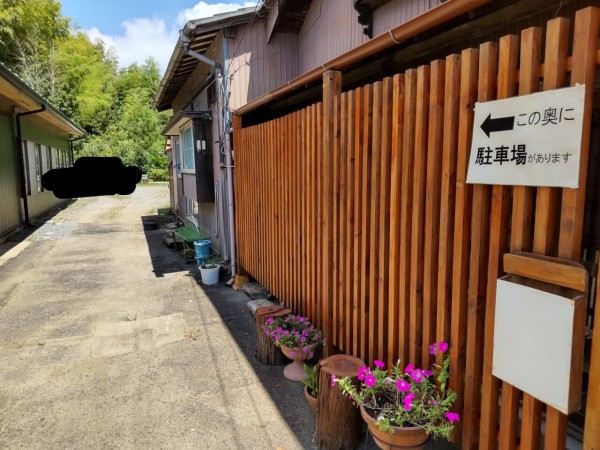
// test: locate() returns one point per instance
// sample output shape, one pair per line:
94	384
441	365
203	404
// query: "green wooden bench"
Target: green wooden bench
187	235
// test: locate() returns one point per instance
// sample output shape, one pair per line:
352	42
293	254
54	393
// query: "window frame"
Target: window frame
187	151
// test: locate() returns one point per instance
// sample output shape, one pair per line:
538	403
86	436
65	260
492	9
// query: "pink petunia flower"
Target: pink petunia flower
408	401
293	353
452	416
443	346
362	372
409	368
427	373
370	380
333	379
402	386
417	375
432	349
379	364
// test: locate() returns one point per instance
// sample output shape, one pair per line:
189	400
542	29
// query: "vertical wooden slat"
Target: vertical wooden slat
297	189
406	205
488	64
339	286
448	198
365	249
282	272
555	70
272	230
432	206
350	225
335	206
462	227
418	217
394	324
373	214
498	245
522	239
585	44
545	230
302	211
332	82
384	218
311	216
319	224
357	299
591	436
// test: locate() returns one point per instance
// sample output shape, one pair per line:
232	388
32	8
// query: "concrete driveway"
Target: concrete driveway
108	340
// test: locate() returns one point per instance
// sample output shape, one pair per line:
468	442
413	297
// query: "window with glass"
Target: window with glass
48	159
188	149
37	151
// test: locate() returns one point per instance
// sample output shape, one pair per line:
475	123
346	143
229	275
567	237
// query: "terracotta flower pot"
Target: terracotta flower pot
414	438
295	370
312	401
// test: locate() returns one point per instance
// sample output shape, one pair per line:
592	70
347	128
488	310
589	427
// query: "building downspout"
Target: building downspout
223	134
229	171
19	148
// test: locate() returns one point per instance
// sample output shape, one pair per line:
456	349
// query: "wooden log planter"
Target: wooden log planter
267	352
338	420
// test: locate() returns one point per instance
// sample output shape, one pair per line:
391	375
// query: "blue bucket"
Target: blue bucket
202	250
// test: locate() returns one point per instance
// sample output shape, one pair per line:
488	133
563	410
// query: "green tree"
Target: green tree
29	27
81	78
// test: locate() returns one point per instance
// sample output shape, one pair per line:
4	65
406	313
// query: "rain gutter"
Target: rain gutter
411	28
19	147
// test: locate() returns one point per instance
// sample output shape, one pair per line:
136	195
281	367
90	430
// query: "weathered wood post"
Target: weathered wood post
338	420
267	352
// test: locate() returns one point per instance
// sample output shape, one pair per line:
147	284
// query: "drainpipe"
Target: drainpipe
223	134
22	162
229	167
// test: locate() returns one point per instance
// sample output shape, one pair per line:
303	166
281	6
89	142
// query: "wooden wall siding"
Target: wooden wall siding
395	12
255	67
331	28
377	175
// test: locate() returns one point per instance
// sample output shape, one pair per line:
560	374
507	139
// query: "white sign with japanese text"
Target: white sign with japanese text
532	140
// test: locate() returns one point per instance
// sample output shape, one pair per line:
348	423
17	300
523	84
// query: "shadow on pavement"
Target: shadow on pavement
13	239
164	260
287	395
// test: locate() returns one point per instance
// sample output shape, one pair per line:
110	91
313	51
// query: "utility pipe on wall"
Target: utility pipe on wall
220	86
229	171
19	147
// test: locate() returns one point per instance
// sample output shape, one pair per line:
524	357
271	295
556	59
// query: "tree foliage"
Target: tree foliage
82	79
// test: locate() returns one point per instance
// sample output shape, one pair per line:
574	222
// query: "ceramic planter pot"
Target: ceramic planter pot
413	438
295	371
312	401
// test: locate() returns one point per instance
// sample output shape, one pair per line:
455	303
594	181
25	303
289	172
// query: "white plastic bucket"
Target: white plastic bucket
210	276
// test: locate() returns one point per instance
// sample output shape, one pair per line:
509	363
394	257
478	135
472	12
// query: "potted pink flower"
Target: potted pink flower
404	407
297	337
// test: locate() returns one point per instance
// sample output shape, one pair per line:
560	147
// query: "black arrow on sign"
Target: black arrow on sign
499	124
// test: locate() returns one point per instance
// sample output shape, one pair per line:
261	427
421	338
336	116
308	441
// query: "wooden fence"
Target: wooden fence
355	212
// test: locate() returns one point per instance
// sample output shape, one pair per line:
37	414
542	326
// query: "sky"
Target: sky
137	29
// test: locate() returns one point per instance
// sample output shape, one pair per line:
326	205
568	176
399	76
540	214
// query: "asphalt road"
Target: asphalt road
108	340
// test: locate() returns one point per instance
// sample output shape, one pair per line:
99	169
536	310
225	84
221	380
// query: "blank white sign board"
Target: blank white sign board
533	342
